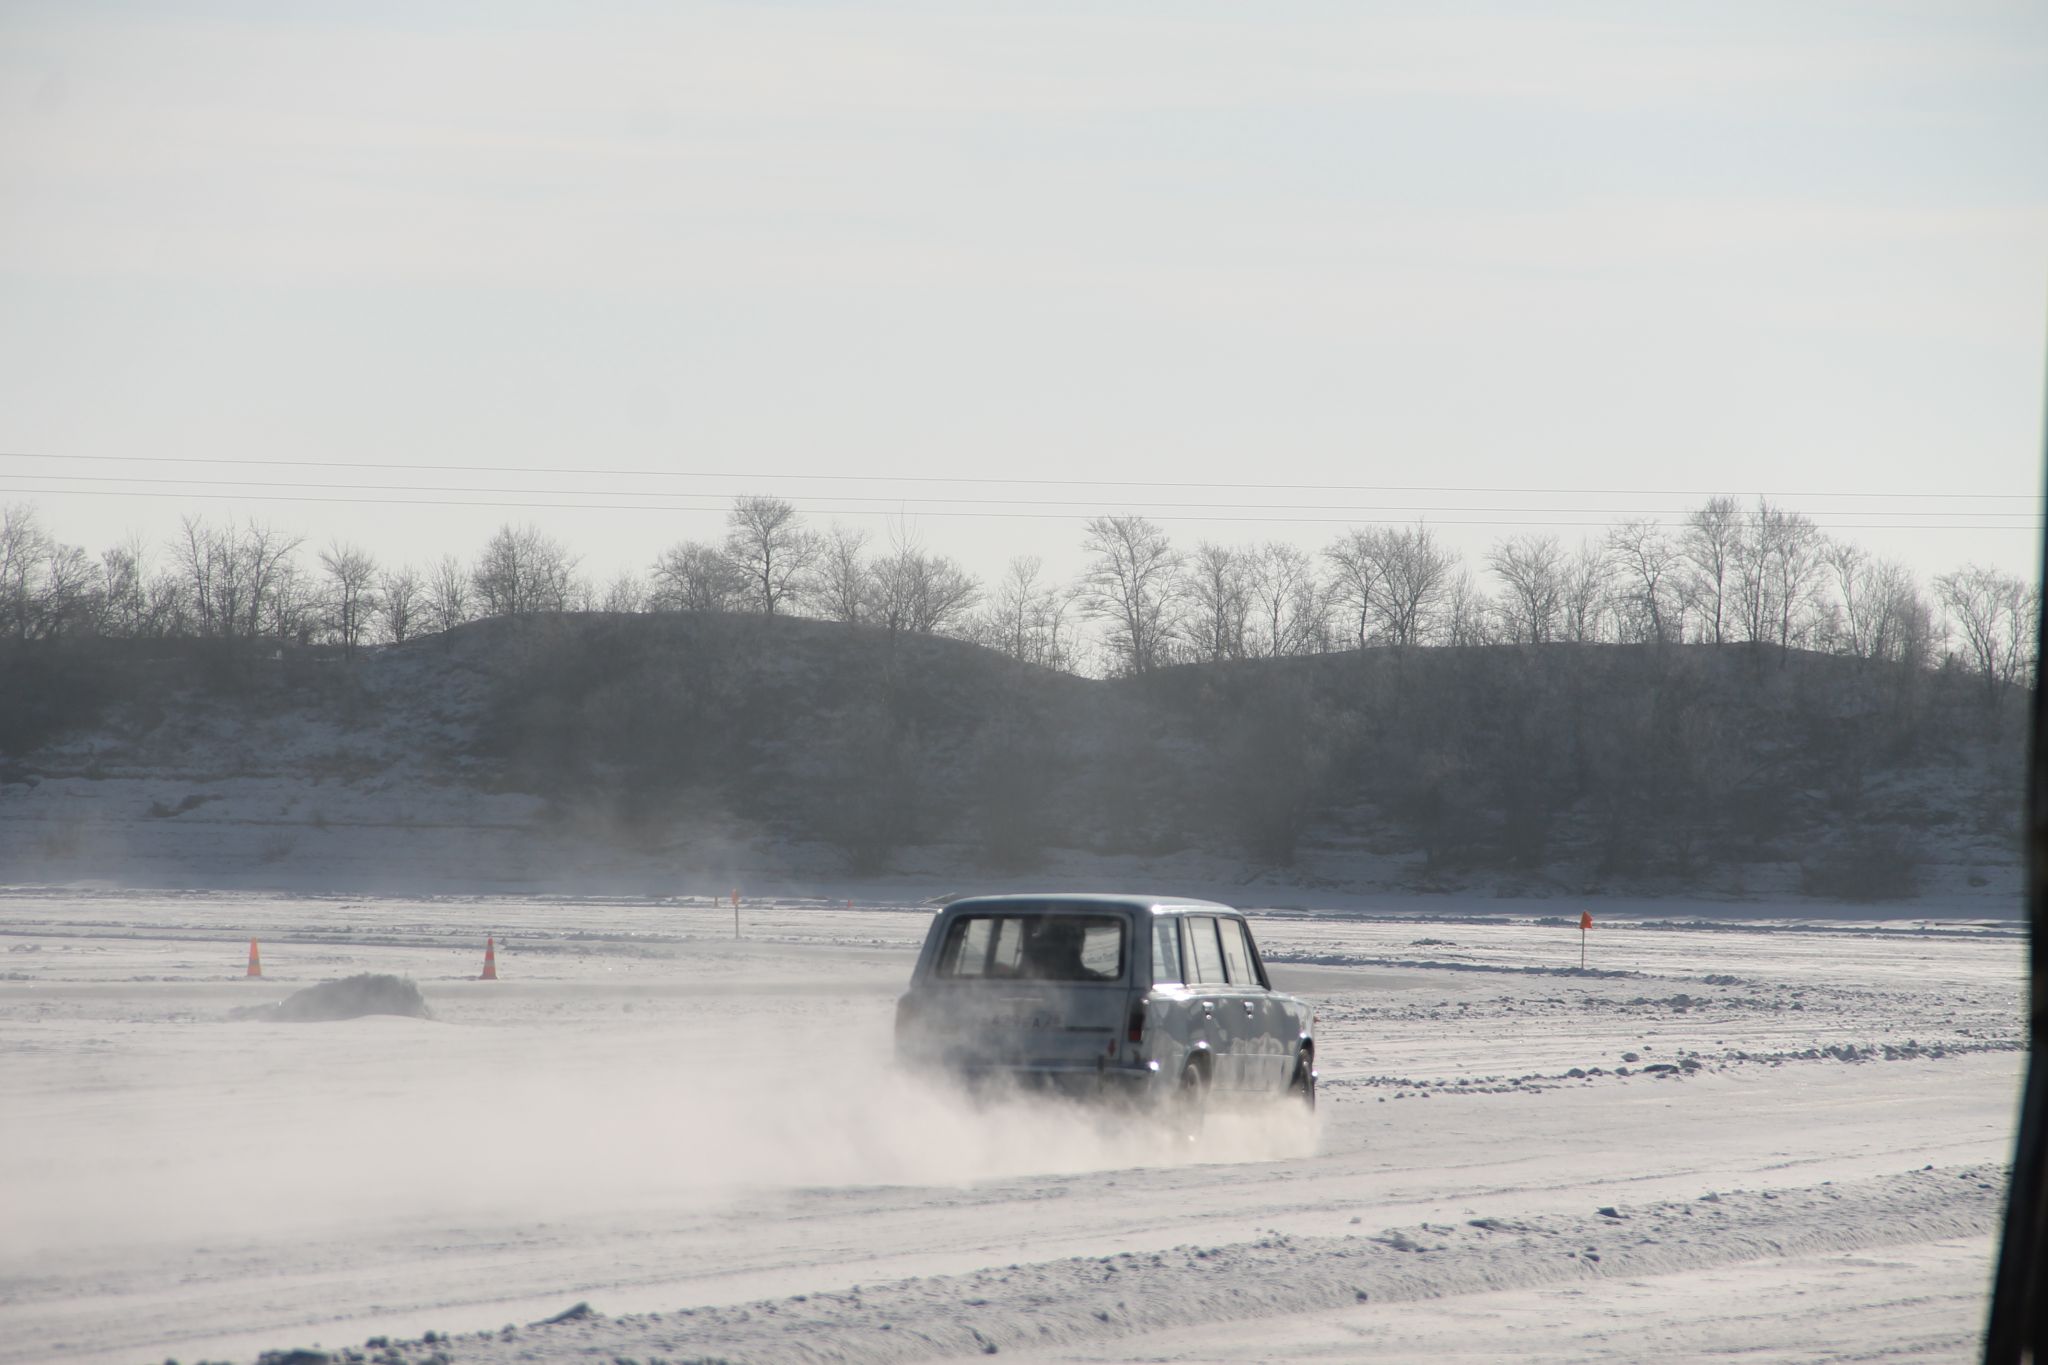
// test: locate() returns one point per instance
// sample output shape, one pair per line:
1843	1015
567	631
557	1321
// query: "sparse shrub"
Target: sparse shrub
159	811
351	998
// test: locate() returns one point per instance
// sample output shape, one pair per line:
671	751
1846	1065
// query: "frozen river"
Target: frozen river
702	1139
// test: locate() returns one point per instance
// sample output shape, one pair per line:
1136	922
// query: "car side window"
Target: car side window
966	949
1008	957
1102	950
1204	952
1237	952
1166	952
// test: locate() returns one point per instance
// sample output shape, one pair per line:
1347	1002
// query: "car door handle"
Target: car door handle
1249	1008
1208	1009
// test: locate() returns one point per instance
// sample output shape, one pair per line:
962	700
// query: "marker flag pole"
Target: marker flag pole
1585	923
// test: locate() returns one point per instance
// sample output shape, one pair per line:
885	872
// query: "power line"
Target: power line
760	476
1028	516
1093	505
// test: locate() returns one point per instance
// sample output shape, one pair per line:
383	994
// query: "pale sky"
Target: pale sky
1477	264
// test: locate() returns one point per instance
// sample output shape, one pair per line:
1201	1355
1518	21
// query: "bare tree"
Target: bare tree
276	587
1996	615
1879	613
1532	569
67	590
351	601
1798	569
1583	583
136	600
911	590
217	605
1775	563
22	547
290	606
1904	626
1920	633
695	577
1218	602
625	593
398	599
1849	570
232	574
521	570
448	594
1646	563
768	544
1356	564
123	593
1130	582
1708	546
842	586
2020	663
1469	612
129	600
1391	585
946	594
1415	574
24	552
1282	583
1007	623
45	587
1027	619
170	610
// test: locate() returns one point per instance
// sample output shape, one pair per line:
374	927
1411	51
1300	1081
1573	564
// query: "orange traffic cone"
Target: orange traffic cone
490	959
255	961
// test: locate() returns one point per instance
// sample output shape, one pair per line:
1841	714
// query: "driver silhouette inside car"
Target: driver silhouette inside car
1054	954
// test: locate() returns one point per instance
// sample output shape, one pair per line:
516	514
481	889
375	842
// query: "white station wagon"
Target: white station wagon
1161	1001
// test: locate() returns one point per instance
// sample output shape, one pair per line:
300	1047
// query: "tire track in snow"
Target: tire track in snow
1093	1298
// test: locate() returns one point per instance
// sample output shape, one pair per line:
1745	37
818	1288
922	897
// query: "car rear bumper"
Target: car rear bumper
1071	1080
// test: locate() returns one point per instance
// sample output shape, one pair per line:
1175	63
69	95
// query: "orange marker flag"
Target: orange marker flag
255	960
1585	920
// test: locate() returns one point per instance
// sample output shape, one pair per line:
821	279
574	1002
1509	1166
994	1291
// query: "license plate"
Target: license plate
1026	1019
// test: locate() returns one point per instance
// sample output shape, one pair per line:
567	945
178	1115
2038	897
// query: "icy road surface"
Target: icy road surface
1779	1138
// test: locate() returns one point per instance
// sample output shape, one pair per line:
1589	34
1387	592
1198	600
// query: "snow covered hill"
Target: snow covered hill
687	752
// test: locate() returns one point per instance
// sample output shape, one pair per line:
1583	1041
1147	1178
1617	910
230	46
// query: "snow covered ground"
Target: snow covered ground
1770	1136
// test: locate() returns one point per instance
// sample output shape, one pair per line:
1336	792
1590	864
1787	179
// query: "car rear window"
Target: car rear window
1034	947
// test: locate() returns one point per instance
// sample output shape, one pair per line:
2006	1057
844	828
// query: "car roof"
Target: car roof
1087	900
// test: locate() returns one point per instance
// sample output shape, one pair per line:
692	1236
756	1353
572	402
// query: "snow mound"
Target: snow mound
1088	1300
351	998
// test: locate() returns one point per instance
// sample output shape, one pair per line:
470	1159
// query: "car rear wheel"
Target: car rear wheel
1302	1088
1190	1101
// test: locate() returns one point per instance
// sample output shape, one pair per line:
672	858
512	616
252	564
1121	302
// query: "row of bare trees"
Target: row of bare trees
771	562
247	581
1761	574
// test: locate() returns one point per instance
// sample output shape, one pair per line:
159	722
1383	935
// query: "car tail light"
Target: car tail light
1136	1031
